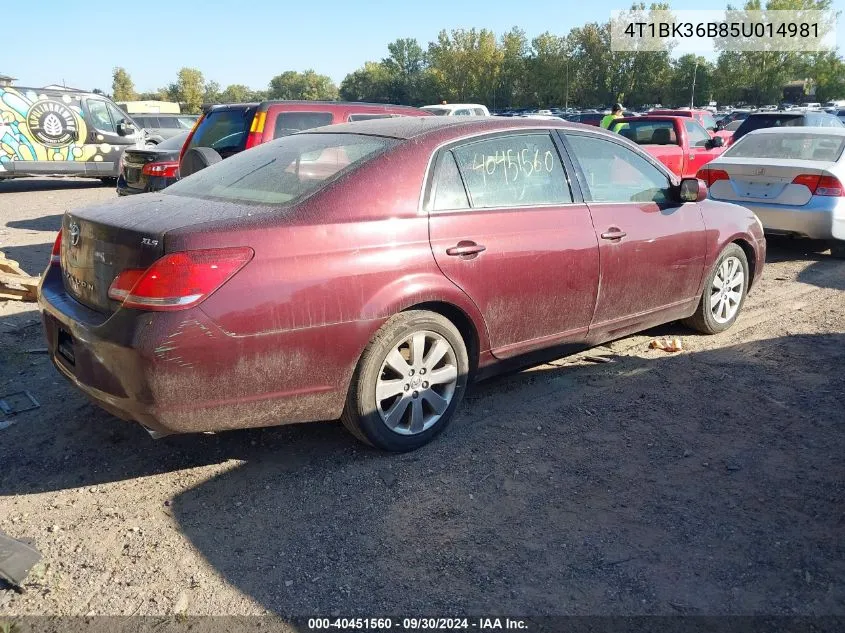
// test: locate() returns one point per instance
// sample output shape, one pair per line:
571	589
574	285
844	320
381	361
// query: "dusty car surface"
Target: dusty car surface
370	271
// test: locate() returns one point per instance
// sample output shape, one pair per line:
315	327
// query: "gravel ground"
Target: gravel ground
705	482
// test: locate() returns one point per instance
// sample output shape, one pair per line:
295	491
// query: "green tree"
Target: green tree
236	93
405	65
122	87
514	85
307	85
465	64
211	92
189	90
374	82
680	86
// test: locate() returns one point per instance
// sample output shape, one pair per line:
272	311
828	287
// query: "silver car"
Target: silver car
791	177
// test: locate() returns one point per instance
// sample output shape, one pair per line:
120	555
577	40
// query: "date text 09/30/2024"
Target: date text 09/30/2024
416	624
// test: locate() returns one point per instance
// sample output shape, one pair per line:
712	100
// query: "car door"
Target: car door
103	119
506	229
652	249
700	150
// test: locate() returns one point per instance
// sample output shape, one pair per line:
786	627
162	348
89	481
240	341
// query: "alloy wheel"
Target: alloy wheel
726	292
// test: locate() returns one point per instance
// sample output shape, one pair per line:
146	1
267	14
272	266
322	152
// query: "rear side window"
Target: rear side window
168	122
815	147
479	112
463	112
277	173
288	123
448	191
186	122
224	130
648	132
614	173
697	135
512	171
761	121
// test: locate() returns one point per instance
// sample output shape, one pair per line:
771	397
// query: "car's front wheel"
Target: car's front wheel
724	292
408	383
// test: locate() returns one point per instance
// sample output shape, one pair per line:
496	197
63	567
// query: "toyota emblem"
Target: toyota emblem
73	229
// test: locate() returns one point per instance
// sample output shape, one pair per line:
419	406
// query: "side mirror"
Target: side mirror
125	129
693	190
716	141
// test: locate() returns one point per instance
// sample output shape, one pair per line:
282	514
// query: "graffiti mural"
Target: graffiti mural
44	127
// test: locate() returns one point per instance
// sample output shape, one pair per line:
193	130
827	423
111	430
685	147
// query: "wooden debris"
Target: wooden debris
15	283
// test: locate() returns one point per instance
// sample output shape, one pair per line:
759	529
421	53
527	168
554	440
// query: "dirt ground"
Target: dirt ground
706	482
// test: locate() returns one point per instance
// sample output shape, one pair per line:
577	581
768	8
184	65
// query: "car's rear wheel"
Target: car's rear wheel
408	383
724	292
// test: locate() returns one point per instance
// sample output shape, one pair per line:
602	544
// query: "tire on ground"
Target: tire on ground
703	319
361	416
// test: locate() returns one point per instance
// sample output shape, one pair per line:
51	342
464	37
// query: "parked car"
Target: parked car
758	121
791	177
54	132
150	169
457	109
735	115
371	271
224	130
704	117
160	127
680	143
840	114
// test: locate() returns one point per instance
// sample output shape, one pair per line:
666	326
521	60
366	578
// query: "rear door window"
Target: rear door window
513	171
288	123
224	130
614	173
448	189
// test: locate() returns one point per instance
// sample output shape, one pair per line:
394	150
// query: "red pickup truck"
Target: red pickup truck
707	120
680	143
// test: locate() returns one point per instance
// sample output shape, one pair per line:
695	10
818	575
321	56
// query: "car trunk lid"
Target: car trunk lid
133	165
751	181
98	243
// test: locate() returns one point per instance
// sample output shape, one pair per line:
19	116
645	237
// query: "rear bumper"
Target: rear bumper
153	183
822	218
178	372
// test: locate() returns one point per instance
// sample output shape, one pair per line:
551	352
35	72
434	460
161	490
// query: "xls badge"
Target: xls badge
52	123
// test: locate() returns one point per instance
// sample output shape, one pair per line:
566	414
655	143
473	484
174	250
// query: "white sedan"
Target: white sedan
791	177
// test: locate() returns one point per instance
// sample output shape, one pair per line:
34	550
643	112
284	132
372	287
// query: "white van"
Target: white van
457	109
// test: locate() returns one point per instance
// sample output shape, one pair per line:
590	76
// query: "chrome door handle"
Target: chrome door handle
613	234
463	249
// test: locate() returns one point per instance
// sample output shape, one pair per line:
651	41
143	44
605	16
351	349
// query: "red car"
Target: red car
680	143
370	271
704	117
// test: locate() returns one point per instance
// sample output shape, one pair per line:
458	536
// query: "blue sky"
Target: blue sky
153	39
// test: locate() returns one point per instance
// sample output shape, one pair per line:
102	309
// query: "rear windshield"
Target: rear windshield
648	132
817	147
174	142
224	131
760	121
284	170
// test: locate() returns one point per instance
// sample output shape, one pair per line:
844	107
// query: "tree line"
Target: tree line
512	71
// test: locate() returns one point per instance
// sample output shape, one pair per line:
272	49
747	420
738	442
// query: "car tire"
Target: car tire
719	307
109	182
837	249
390	404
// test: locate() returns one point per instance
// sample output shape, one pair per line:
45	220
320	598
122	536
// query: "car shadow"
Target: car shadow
642	486
44	223
20	185
32	258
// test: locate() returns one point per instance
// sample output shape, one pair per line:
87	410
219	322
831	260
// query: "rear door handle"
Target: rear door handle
462	249
613	234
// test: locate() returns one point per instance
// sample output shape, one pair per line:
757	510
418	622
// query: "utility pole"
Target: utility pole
692	92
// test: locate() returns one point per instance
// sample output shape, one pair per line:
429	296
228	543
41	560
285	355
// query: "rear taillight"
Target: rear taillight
256	130
179	280
820	185
187	142
712	175
169	169
56	255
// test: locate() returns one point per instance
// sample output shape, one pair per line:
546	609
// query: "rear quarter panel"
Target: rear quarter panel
725	223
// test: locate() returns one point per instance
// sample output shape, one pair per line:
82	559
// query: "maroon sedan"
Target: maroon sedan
371	270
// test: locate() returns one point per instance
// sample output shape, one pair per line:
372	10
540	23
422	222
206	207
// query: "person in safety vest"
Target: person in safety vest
615	113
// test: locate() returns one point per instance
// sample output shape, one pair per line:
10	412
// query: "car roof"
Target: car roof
413	127
346	105
807	129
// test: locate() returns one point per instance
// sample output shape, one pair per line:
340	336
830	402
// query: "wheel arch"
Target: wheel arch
461	320
750	256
